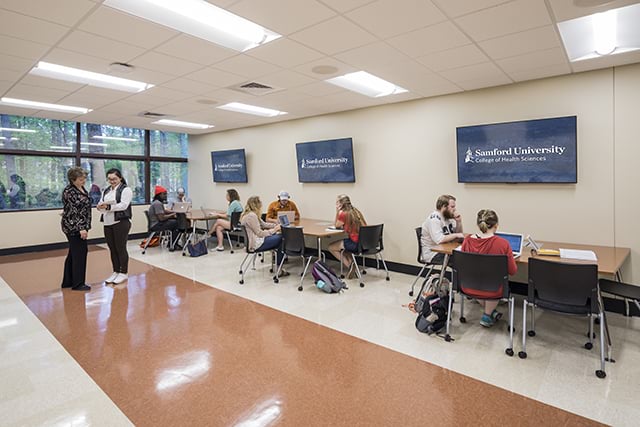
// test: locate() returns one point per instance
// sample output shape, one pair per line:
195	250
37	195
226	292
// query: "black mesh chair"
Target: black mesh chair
480	272
369	243
251	255
234	229
566	288
293	245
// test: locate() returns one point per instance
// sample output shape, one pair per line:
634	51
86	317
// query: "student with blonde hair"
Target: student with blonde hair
486	242
261	235
350	219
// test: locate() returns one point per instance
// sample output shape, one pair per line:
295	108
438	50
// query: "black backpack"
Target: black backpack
433	316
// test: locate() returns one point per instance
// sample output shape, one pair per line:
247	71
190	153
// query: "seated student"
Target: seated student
160	218
181	197
486	242
282	204
261	235
350	220
224	219
441	226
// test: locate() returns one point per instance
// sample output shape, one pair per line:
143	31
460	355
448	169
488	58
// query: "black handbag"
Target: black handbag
197	249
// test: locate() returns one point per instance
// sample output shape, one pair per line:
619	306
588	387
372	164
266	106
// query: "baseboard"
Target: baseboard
59	245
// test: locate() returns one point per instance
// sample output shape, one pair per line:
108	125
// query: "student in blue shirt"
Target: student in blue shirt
224	219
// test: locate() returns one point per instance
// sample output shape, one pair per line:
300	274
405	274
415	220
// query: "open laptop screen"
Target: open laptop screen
515	241
284	219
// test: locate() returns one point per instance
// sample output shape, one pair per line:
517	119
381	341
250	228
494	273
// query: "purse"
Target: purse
197	249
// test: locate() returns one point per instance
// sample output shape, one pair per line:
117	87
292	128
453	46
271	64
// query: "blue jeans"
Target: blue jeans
272	242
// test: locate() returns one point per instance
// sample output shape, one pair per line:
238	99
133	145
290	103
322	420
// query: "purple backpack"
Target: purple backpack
326	279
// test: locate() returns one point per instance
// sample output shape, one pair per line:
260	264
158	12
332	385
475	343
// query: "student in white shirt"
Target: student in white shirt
441	226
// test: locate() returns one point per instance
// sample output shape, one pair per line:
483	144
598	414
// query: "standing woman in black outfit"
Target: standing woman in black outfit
76	223
115	205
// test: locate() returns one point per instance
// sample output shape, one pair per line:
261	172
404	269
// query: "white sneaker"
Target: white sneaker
111	278
219	248
121	277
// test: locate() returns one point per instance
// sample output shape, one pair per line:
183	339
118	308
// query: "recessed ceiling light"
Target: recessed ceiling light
199	19
608	33
34	105
115	138
18	130
366	84
206	101
178	123
77	75
251	109
324	69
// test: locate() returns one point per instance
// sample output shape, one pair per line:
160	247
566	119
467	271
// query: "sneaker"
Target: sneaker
111	278
496	315
81	288
121	277
487	321
219	248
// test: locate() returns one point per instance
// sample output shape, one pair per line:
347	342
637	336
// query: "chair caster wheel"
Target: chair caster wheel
144	252
509	352
300	274
231	251
600	374
388	278
531	333
364	271
271	270
275	280
362	285
242	282
463	320
522	354
588	346
262	259
300	288
593	336
240	272
342	276
410	293
447	338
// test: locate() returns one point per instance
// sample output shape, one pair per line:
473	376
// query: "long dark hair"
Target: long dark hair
233	195
117	172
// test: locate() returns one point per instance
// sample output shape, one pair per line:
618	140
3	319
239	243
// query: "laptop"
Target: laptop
515	241
181	207
291	216
284	220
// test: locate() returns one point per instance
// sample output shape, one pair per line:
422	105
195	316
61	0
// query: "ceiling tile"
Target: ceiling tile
77	60
454	58
80	41
320	89
284	53
50	83
372	56
94	97
340	67
454	8
416	78
540	72
484	82
168	64
98	116
37	93
566	9
477	71
345	5
195	50
32	29
428	40
149	100
12	63
189	86
184	107
246	66
116	25
169	94
5	109
125	107
215	77
407	15
333	36
146	75
283	16
520	43
224	95
541	58
10	75
22	48
505	19
606	61
65	12
286	79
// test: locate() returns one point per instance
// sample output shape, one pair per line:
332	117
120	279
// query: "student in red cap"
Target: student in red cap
160	218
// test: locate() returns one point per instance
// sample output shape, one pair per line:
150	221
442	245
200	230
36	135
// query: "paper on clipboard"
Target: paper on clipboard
578	254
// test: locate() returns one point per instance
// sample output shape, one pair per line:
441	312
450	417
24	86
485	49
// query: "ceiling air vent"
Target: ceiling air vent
150	115
255	88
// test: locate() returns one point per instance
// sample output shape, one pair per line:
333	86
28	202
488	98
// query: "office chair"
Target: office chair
253	254
369	243
293	245
161	234
623	290
420	261
484	273
234	229
564	288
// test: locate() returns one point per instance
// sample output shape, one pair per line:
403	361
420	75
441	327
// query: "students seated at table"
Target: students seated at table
284	203
261	235
224	219
350	219
441	226
160	218
486	242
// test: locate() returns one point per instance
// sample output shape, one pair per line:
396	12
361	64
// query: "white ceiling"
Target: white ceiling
430	47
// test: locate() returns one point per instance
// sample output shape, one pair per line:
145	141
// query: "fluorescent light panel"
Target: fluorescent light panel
114	138
178	123
34	105
608	33
76	75
4	138
366	84
18	130
95	144
199	19
238	107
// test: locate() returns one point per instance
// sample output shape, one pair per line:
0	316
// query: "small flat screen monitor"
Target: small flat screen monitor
229	166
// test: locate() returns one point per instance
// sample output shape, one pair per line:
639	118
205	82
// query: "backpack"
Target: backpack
326	279
432	304
155	241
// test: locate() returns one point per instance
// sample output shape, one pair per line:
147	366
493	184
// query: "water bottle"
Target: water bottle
323	286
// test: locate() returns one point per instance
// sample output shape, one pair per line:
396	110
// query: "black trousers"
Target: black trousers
116	236
75	265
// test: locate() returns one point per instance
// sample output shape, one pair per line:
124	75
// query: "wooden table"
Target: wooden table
318	228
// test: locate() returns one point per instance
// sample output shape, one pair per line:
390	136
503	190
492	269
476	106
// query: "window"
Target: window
32	182
171	175
106	139
33	133
132	172
168	144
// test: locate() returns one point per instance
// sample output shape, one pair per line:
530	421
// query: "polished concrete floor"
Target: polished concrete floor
182	343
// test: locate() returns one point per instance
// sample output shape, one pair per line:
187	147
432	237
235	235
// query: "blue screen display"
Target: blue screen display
326	161
537	151
229	166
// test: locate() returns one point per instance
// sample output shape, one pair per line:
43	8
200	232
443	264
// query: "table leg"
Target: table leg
319	248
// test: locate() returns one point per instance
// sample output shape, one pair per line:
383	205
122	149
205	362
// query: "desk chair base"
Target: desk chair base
305	267
253	256
413	285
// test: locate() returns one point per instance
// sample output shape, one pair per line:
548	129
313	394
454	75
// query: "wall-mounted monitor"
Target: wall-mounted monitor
532	151
229	166
326	161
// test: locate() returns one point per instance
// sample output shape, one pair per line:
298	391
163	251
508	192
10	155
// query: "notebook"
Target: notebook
515	241
291	216
181	207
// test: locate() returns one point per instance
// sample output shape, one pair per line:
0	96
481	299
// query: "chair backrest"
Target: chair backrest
419	236
235	220
263	216
562	282
370	239
480	272
293	241
146	214
243	229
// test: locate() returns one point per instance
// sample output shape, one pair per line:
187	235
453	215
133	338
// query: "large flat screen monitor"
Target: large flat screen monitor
229	166
326	161
536	151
